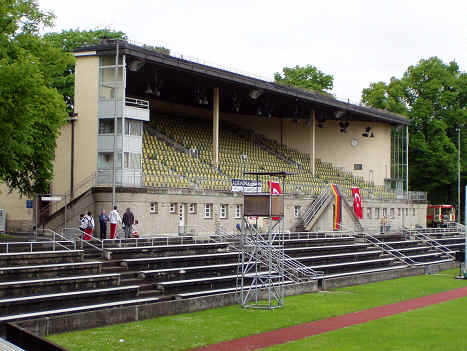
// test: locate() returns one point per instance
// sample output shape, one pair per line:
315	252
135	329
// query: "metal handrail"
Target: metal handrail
292	268
383	246
79	238
433	243
31	243
315	206
55	234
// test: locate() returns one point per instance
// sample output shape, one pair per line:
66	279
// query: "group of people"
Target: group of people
87	224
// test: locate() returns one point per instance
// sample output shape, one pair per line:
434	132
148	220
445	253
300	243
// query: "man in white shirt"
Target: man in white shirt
114	219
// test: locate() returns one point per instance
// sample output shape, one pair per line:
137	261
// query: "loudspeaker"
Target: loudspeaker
460	256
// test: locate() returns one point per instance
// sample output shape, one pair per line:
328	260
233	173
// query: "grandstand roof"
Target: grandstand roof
288	102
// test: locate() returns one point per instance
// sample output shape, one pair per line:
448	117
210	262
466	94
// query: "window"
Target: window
224	211
368	212
399	212
376	212
413	211
135	161
192	208
106	126
154	207
133	127
105	160
296	211
126	160
207	210
357	167
172	207
385	212
238	211
391	213
406	212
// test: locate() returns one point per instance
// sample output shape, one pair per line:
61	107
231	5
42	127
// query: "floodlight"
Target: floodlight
255	93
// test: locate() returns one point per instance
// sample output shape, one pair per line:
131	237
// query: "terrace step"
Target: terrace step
62	311
33	303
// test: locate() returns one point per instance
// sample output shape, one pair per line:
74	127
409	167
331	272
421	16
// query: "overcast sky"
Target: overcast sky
356	41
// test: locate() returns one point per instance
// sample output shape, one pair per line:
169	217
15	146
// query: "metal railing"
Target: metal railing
292	269
389	249
315	206
55	235
31	244
78	236
433	243
137	103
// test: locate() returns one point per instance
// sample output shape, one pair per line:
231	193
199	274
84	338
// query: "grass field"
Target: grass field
185	331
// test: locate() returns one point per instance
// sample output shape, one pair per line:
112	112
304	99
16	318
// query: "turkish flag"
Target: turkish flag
275	188
357	202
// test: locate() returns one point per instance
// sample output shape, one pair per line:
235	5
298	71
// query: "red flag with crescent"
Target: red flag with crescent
275	189
357	202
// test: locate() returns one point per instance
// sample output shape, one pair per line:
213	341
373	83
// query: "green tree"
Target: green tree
433	96
67	41
308	78
31	109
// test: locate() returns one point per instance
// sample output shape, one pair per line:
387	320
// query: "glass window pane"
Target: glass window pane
105	160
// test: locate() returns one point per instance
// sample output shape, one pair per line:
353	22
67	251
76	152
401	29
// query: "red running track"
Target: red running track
281	336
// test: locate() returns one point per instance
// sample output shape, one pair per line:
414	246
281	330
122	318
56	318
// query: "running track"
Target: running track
301	331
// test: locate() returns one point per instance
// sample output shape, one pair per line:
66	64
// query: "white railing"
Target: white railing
137	103
53	244
315	206
267	255
389	249
434	244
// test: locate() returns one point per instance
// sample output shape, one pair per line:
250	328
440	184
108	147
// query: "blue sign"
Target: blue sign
28	203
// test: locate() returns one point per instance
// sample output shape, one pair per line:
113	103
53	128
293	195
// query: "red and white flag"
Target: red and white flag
275	189
357	202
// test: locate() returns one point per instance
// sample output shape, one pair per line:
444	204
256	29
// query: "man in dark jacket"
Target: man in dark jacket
103	219
128	220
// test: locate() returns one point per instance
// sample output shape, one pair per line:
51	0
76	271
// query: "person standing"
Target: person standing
114	219
103	219
89	220
82	224
128	220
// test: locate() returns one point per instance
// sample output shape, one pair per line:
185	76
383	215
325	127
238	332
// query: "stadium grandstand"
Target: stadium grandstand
180	143
190	131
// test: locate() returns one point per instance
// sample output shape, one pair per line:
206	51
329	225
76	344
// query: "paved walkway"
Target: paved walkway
280	336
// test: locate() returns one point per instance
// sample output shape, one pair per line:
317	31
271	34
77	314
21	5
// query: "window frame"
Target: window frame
154	208
224	211
207	213
238	211
173	207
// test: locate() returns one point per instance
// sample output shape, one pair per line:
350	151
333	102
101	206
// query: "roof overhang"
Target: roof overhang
107	48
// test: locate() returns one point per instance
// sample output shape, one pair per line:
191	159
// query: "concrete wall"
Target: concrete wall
167	222
86	98
18	217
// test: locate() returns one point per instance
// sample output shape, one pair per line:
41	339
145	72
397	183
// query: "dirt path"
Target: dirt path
280	336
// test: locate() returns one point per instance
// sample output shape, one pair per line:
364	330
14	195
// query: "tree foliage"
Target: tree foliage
67	41
433	96
308	78
31	109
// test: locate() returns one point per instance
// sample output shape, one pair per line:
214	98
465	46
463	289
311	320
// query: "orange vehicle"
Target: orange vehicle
440	216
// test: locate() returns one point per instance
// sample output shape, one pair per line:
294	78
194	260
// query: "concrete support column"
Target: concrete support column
312	143
215	128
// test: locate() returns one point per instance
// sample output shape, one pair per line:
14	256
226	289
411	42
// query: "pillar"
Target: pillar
312	143
215	128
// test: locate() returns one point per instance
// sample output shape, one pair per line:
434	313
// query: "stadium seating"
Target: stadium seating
160	269
240	150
